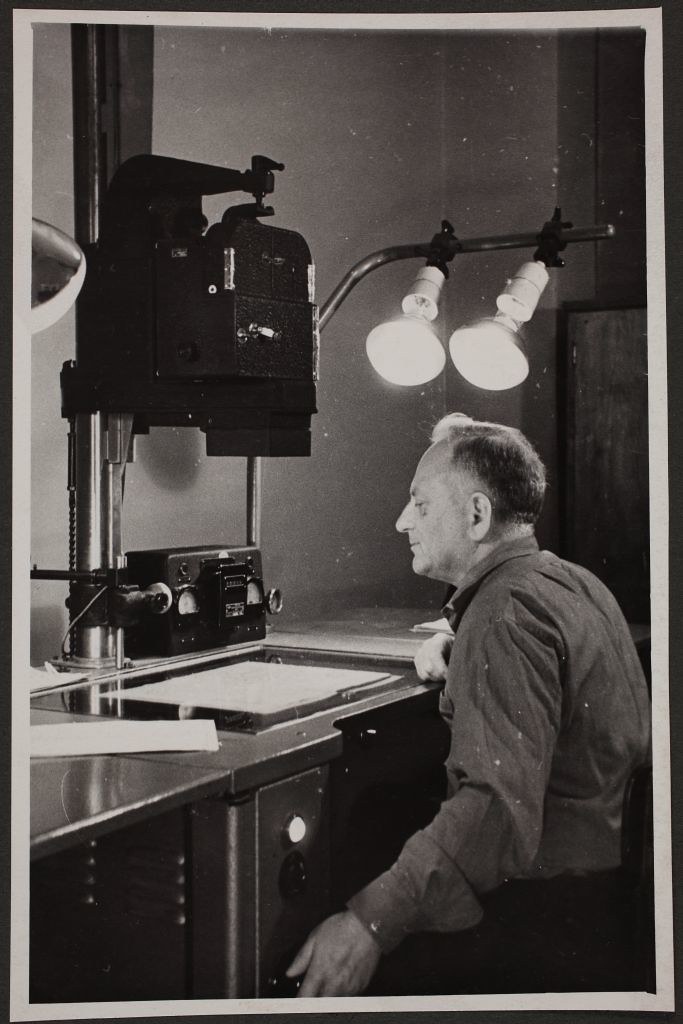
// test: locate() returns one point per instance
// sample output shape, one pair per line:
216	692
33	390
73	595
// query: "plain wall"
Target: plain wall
383	134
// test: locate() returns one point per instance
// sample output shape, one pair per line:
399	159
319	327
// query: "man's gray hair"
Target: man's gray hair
502	459
441	429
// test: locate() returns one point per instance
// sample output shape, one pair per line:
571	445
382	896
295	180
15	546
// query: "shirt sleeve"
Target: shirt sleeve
505	697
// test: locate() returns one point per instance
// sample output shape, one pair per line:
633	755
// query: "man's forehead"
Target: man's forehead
435	464
436	469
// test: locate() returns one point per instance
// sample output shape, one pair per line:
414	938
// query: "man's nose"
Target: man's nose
404	521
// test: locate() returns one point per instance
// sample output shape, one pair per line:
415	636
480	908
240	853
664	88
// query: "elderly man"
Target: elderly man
514	885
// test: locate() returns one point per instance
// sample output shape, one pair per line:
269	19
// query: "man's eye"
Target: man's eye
420	506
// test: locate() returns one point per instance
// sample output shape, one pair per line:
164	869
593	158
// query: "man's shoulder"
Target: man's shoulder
543	585
542	569
526	571
519	580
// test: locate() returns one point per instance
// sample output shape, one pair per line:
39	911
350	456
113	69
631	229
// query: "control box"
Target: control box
218	599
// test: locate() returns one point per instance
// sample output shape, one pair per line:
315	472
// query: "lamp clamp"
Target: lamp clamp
262	184
550	240
247	211
442	248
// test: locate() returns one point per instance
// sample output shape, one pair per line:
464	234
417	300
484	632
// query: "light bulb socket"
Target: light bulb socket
522	292
505	320
423	298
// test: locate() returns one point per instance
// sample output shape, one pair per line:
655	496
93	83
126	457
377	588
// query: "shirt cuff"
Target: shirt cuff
443	902
386	910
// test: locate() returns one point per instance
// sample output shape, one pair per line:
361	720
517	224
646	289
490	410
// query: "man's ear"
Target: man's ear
481	515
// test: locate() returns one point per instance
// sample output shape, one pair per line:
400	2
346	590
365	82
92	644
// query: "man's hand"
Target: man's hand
431	661
339	958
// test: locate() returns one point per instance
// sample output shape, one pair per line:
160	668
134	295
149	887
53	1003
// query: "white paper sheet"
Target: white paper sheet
49	678
437	626
69	739
256	686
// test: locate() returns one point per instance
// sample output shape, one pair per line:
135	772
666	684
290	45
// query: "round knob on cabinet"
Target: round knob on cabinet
293	878
158	598
295	829
274	601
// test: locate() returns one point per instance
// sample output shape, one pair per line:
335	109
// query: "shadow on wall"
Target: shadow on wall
171	457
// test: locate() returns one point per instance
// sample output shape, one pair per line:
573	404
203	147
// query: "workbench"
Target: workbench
172	875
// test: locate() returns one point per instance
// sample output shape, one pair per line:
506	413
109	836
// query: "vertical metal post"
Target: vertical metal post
89	170
254	499
93	530
91	643
119	434
101	445
71	488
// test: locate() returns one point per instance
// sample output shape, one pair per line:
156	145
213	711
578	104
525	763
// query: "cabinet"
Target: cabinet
212	899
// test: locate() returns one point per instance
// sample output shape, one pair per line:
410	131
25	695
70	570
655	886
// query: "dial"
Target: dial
187	602
254	592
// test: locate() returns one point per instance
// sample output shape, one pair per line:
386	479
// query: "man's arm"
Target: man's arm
504	700
505	717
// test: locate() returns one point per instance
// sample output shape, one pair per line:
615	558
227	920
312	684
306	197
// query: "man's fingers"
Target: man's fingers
432	670
302	960
338	958
431	661
437	671
312	986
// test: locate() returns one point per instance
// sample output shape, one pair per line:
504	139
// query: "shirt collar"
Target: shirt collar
504	552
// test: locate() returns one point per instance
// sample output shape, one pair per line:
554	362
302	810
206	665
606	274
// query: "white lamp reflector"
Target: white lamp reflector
489	354
522	292
57	274
405	351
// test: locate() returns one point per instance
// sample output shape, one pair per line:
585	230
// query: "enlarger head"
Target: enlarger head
181	324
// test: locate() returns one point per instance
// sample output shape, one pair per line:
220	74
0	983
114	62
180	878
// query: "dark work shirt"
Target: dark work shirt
549	714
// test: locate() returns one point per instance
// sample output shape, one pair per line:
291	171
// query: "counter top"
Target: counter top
387	632
74	799
77	798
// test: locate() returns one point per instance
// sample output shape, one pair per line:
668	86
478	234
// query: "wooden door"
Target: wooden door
606	491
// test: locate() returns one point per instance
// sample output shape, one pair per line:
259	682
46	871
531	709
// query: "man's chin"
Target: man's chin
420	566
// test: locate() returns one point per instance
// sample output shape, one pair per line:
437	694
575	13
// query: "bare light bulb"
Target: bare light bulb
405	351
423	297
522	292
490	354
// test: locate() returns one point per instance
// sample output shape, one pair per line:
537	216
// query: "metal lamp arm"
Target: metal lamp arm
452	247
359	270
